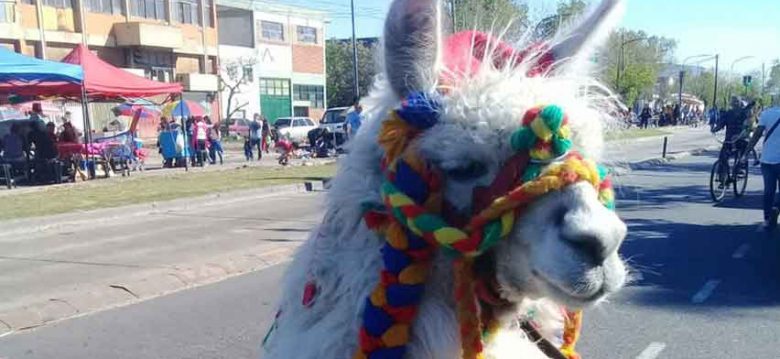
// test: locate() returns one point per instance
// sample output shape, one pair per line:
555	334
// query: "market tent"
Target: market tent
28	76
103	81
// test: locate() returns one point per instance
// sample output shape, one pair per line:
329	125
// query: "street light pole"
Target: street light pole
622	57
734	63
715	93
355	87
682	76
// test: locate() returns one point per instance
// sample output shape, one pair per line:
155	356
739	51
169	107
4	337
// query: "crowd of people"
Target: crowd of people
670	115
30	145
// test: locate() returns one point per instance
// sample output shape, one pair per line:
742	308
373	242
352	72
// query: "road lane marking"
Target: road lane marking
741	251
705	291
652	351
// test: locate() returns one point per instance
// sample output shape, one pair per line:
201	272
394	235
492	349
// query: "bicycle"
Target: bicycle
734	173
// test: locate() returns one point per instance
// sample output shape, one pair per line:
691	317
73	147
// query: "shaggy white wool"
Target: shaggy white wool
342	256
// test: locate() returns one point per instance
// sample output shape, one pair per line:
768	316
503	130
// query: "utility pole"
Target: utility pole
356	88
453	16
763	78
715	93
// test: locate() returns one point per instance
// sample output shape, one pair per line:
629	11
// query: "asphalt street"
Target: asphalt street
705	284
74	268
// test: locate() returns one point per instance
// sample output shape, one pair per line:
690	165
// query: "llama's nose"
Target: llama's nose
592	230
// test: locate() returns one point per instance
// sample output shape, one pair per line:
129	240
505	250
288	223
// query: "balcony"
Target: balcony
146	34
198	82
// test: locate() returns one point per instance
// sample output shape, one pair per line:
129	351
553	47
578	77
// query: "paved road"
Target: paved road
706	287
74	268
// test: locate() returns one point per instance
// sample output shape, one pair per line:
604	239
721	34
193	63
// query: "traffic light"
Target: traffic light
747	80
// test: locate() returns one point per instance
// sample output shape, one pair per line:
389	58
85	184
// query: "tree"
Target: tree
233	76
340	71
489	16
631	61
773	82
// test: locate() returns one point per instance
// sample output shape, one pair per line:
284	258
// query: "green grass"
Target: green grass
144	189
634	133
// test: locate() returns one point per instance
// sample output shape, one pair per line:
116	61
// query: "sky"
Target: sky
731	28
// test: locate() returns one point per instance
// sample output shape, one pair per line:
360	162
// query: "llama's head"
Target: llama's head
565	245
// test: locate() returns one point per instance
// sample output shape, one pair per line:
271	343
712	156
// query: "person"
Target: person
644	117
285	147
734	121
713	116
200	139
768	122
115	125
69	133
37	113
248	149
13	145
215	141
256	134
266	135
51	131
44	146
354	119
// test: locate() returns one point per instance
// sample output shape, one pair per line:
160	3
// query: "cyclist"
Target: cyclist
737	131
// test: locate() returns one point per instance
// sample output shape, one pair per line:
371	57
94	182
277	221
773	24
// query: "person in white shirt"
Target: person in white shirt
768	124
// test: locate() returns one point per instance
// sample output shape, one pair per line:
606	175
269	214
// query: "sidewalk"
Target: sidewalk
680	142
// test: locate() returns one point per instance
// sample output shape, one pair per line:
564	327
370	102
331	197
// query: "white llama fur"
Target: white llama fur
536	266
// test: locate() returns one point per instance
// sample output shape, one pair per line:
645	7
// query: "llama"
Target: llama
420	254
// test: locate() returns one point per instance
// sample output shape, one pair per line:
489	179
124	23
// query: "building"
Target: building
165	40
279	52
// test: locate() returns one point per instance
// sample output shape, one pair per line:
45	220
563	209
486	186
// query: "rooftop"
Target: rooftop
273	7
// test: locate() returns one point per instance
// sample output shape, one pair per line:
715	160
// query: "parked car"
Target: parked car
335	119
295	128
239	127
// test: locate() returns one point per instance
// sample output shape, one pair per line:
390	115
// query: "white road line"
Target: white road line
652	351
705	291
741	251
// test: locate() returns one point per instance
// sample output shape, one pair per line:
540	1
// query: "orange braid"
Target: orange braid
467	309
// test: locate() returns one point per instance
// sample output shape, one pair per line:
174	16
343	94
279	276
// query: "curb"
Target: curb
96	297
648	163
96	217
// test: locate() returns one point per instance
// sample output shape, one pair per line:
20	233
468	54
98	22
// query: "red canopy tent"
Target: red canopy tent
103	81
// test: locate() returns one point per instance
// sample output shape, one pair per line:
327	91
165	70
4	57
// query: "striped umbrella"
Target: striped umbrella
184	108
148	109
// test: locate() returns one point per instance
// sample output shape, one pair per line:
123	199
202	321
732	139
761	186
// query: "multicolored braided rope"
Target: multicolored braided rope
414	230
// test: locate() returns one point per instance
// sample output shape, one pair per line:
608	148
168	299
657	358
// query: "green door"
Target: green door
275	100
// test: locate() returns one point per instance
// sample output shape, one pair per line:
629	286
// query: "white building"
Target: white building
280	50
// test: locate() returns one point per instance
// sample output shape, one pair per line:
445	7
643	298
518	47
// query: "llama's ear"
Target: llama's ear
581	38
412	45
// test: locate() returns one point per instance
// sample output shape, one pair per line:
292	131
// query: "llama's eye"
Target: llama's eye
467	171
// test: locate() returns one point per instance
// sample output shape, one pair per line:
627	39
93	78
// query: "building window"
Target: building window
186	11
248	73
307	34
272	30
105	6
313	93
28	2
62	4
275	87
208	16
7	11
150	9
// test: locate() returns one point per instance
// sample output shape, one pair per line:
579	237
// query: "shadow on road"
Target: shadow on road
672	258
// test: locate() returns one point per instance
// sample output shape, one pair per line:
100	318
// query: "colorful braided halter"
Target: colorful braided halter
409	221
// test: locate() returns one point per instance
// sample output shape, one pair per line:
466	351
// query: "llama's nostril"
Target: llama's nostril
590	246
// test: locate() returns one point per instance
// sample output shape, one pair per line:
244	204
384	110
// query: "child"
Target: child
285	148
248	149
